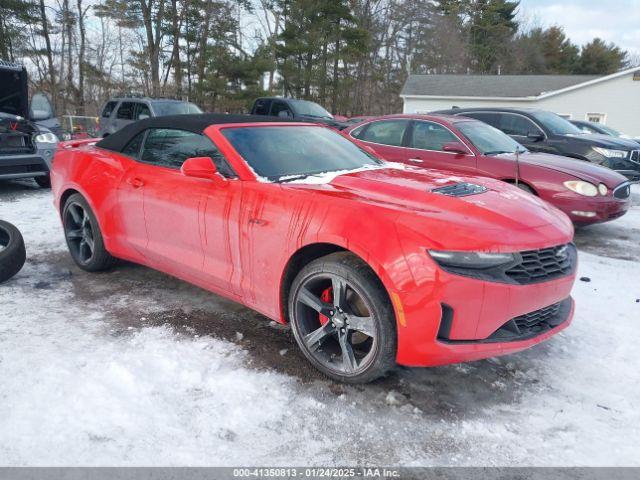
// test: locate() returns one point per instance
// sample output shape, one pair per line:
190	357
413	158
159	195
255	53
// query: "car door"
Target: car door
386	138
173	203
426	142
526	132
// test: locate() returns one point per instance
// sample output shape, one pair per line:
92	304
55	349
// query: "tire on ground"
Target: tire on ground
351	267
12	251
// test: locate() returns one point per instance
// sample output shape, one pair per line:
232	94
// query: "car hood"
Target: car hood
605	141
583	170
411	190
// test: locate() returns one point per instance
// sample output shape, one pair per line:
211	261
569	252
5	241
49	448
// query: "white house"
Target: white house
613	100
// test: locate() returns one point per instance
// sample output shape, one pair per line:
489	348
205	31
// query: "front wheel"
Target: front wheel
83	235
342	319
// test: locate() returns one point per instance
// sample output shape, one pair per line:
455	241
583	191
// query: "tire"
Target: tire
43	182
12	251
525	188
350	337
83	236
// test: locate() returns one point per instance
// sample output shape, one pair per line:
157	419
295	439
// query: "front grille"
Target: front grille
623	191
634	156
520	328
460	189
16	144
534	319
543	265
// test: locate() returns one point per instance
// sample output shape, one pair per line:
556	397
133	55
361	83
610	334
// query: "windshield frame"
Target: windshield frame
290	176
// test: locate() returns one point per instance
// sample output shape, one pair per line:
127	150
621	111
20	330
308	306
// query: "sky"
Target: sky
612	20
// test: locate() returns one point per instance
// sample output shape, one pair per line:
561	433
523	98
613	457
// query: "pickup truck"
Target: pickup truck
27	143
292	109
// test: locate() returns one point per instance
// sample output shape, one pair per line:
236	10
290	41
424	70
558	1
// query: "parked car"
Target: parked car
26	144
600	129
370	262
292	109
587	193
119	112
546	132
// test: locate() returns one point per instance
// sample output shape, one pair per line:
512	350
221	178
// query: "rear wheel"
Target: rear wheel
83	235
342	319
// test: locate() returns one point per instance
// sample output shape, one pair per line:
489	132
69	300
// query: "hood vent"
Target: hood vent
460	189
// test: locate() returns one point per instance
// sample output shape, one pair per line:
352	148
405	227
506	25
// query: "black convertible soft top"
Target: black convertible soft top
196	122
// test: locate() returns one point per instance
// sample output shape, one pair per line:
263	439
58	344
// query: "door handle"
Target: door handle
135	182
416	160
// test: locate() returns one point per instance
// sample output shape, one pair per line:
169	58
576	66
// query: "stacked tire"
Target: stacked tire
12	251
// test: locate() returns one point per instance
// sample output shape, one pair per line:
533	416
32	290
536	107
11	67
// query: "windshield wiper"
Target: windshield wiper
497	152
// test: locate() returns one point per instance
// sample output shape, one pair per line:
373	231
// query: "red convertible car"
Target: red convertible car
587	193
371	263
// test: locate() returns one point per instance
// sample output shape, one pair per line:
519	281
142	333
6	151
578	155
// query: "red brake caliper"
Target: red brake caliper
325	296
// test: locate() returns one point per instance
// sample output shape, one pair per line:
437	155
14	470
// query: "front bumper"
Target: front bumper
476	311
26	165
589	210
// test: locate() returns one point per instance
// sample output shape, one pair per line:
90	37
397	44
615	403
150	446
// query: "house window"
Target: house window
596	117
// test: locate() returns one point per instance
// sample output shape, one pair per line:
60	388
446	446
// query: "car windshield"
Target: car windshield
487	139
288	153
556	124
309	109
610	131
174	108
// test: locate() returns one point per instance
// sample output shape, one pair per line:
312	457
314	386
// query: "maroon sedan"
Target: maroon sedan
587	193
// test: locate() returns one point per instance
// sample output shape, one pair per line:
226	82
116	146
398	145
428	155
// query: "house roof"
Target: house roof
499	86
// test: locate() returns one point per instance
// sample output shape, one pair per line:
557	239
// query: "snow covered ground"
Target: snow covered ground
132	367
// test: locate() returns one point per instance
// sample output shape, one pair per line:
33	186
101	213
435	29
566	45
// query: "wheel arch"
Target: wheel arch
512	181
308	253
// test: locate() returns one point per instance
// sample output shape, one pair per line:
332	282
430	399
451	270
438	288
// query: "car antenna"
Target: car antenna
517	166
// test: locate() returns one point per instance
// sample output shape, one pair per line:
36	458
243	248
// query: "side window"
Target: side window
108	109
281	109
142	111
261	107
133	147
125	111
170	148
431	136
357	132
517	125
385	132
492	119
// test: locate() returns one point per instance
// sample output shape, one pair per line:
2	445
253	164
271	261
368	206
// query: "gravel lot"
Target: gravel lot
132	367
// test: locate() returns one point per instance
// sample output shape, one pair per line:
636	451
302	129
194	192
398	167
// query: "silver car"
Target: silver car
119	112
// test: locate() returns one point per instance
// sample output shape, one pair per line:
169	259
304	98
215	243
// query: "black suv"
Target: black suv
292	109
542	131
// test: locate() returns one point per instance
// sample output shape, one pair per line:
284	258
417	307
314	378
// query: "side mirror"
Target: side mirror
284	114
202	167
535	136
143	116
455	147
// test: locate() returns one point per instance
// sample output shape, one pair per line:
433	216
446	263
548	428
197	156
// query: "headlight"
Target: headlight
582	188
46	138
606	152
473	260
602	188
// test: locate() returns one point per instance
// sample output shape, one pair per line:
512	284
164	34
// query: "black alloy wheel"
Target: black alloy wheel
342	319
